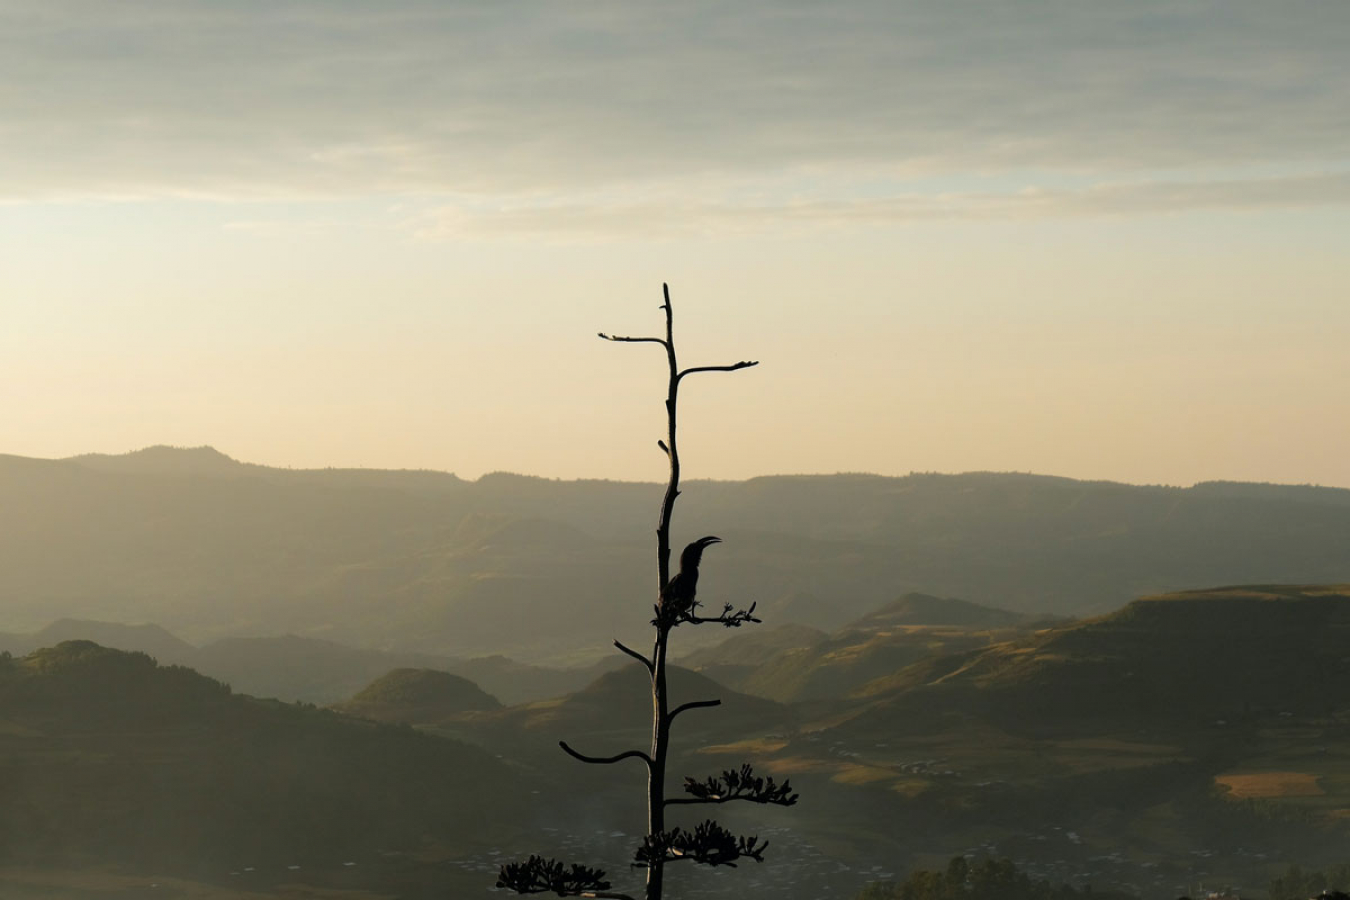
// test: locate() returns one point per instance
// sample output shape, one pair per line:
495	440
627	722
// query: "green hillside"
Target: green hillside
797	664
1197	732
1220	654
417	697
844	664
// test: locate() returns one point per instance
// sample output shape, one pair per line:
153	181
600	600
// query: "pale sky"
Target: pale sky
1102	240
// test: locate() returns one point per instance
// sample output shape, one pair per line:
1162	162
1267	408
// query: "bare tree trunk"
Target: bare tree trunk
656	773
709	844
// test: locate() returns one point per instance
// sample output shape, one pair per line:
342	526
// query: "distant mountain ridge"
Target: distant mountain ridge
551	571
149	639
162	459
925	609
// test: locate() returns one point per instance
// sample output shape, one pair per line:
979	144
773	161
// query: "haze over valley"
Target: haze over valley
551	571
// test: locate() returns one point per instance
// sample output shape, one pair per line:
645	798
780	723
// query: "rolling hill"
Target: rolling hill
417	697
1217	654
312	670
615	709
1200	731
797	664
107	759
1214	721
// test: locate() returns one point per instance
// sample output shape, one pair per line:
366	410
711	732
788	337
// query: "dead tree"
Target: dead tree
676	604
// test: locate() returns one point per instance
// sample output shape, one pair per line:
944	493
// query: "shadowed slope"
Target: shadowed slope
105	756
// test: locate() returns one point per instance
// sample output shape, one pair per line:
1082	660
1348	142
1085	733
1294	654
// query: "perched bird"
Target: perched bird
678	597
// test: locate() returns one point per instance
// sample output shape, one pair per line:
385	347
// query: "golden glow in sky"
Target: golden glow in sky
1094	240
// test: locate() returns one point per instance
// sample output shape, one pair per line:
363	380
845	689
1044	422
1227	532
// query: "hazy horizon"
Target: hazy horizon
657	478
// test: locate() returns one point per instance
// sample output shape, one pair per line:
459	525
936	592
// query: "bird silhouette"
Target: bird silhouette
678	597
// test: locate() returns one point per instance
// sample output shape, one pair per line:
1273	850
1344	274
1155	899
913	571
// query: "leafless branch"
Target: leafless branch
743	364
692	704
729	617
636	655
620	339
606	760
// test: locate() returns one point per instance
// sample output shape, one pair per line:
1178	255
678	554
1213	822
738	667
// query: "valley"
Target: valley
1042	742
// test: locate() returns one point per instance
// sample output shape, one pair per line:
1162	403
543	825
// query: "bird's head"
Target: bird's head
693	553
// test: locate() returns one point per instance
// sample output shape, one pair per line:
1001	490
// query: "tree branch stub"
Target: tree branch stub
606	760
693	704
636	655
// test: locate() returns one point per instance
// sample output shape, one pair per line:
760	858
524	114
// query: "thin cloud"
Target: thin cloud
671	217
339	99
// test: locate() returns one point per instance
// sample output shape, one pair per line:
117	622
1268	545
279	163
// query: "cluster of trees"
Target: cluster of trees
986	879
1296	884
1000	879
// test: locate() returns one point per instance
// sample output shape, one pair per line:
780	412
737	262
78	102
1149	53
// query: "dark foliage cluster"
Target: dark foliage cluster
541	876
1296	884
742	784
988	879
709	844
